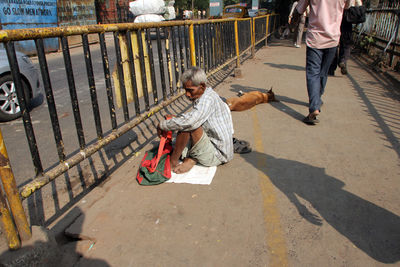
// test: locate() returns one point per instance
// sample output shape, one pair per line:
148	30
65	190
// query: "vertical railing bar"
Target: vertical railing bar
212	36
174	48
231	38
168	57
92	86
13	198
209	46
224	44
226	38
121	77
107	77
201	46
250	40
237	45
218	44
395	39
9	230
222	47
132	71
152	70
181	32
143	70
242	39
230	45
187	45
203	31
206	55
161	60
197	42
26	118
50	99
220	41
72	92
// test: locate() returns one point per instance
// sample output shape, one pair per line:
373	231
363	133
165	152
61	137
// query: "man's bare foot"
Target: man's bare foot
174	163
185	166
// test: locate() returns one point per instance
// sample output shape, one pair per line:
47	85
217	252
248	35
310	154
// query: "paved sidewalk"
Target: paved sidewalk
324	195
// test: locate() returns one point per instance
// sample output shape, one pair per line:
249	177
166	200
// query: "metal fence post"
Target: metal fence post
8	225
14	199
192	45
253	37
395	38
237	45
267	30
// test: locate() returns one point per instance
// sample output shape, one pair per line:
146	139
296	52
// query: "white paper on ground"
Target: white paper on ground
197	175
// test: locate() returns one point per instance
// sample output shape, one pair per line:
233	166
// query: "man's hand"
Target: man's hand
295	18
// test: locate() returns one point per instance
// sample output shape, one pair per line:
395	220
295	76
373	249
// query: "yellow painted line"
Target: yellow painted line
275	239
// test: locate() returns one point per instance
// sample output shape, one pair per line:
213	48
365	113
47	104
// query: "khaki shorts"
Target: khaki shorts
203	152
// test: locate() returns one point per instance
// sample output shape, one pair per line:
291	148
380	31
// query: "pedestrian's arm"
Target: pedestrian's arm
292	11
302	6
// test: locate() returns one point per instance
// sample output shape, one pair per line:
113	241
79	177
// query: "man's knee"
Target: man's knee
195	135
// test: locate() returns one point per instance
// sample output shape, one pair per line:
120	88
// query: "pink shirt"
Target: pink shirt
323	21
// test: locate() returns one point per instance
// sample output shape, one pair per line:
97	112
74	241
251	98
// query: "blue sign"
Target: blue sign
22	14
216	7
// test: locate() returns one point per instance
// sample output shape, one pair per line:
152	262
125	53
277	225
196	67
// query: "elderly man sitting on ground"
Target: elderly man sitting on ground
205	132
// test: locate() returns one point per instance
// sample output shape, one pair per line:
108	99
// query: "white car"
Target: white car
9	106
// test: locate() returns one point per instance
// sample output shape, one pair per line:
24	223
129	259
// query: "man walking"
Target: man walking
322	39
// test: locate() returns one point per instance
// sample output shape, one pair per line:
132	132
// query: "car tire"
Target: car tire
9	105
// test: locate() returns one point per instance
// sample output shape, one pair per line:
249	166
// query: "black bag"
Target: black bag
355	14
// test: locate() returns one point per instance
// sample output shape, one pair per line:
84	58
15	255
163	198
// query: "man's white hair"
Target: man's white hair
194	74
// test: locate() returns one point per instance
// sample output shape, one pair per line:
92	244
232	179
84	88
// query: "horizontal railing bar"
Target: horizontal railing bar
49	32
263	39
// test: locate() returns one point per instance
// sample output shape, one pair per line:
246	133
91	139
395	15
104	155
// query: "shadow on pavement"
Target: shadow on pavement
285	66
383	112
111	157
371	228
43	249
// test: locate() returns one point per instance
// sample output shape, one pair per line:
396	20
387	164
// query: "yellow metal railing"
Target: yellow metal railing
226	46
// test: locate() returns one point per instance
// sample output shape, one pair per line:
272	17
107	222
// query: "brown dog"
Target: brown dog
248	100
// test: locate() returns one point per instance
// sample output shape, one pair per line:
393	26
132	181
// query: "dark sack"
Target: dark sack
155	167
355	14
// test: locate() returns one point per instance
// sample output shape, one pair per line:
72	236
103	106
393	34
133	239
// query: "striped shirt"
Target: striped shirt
214	116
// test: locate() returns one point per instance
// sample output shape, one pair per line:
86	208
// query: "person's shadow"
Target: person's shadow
373	229
47	249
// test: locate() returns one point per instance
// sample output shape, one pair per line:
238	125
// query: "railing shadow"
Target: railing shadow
50	250
369	227
96	172
374	97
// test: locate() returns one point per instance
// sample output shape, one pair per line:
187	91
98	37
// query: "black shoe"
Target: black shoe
241	146
331	73
310	120
343	68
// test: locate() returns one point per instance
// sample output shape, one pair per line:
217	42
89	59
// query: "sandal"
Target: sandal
311	120
241	146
